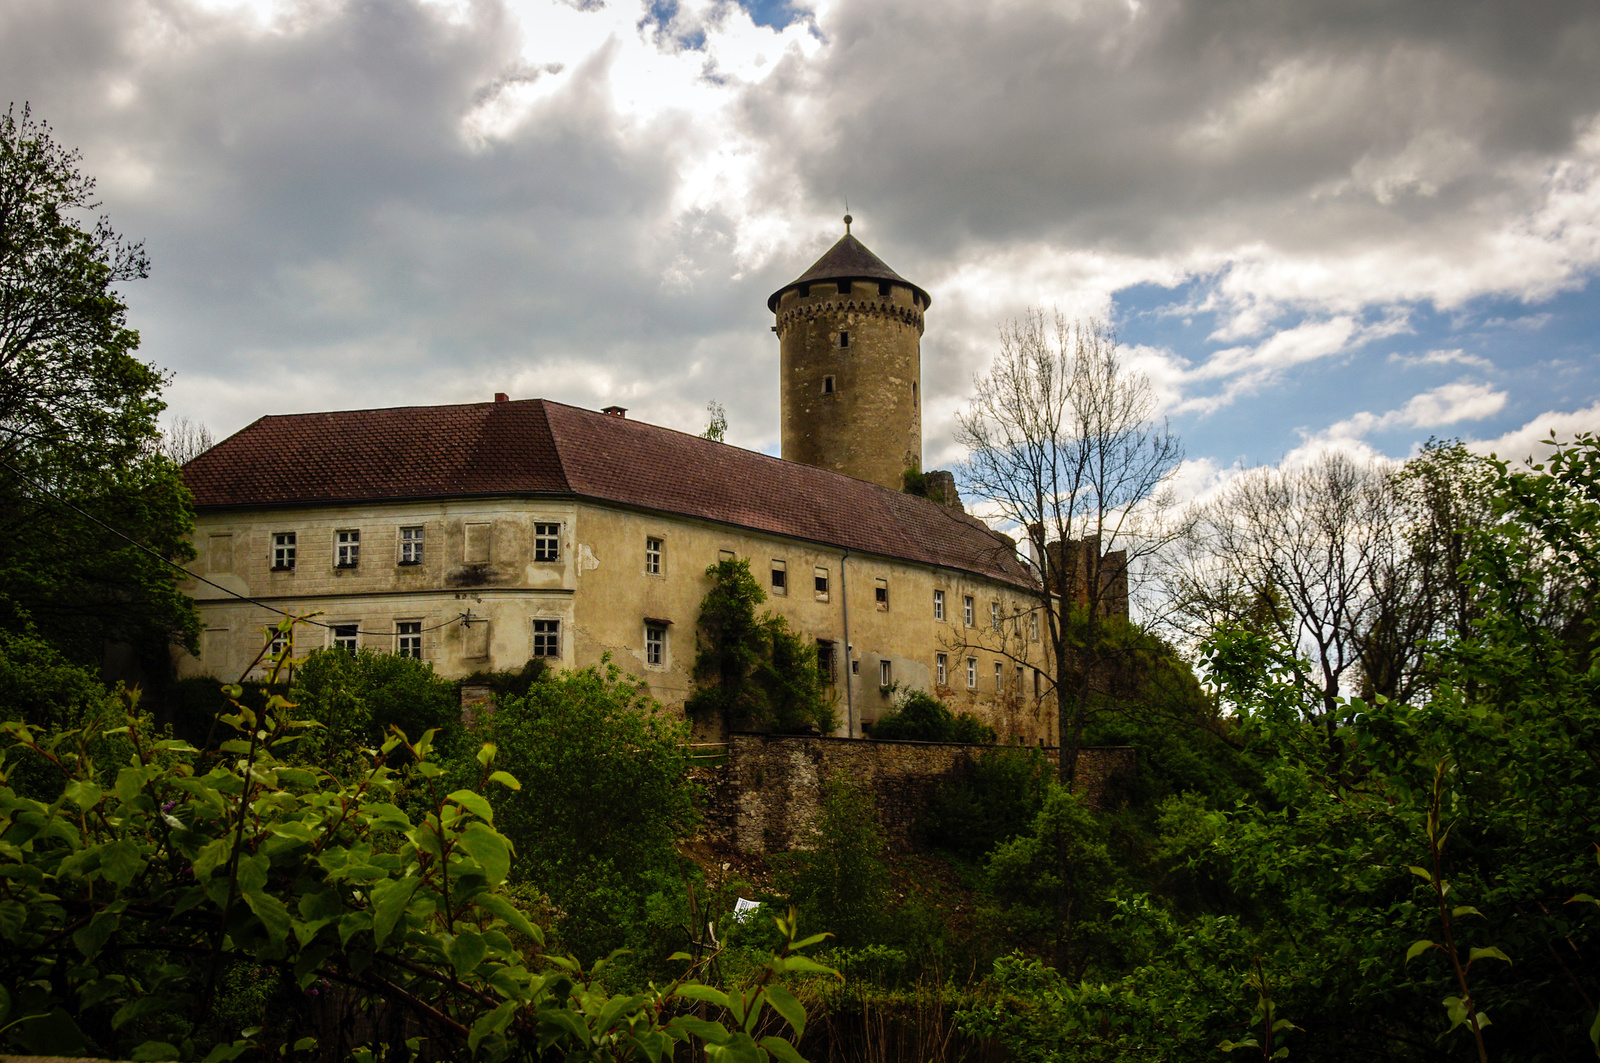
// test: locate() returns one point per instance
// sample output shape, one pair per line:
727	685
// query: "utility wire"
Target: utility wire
37	486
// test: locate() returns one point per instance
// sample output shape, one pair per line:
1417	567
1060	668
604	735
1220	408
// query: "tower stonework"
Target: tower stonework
850	342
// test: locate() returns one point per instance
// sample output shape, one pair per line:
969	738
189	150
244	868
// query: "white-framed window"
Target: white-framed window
1019	681
1033	626
275	648
547	638
655	644
408	638
880	594
347	548
652	556
938	605
972	673
411	545
283	550
885	673
941	667
999	678
346	637
819	583
825	660
994	616
780	577
967	607
546	542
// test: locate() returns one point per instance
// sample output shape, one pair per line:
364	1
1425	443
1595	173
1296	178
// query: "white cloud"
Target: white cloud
1529	441
1455	356
1445	405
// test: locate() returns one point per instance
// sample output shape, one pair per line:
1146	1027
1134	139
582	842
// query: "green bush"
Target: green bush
842	882
995	798
918	716
606	798
357	697
752	671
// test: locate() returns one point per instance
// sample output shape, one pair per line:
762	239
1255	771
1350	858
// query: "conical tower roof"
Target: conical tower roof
847	260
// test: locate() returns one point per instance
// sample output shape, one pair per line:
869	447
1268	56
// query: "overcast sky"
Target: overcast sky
1313	222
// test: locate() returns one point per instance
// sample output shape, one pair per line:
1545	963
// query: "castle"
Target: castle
479	536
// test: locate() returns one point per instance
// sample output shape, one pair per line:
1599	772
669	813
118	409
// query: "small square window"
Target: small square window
972	673
938	605
780	577
283	550
967	609
547	542
347	548
411	545
408	638
885	673
655	644
844	287
652	557
819	582
881	594
883	289
855	667
825	661
941	668
345	636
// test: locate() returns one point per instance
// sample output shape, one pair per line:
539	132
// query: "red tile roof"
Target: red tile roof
538	447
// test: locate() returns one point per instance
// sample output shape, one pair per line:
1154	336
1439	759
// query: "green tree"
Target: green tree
606	797
841	881
752	671
79	443
918	716
356	698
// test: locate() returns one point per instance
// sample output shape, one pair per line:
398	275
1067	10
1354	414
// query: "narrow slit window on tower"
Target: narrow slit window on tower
844	338
883	289
827	385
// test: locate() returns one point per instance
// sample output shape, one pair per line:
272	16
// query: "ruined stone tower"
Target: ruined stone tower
850	341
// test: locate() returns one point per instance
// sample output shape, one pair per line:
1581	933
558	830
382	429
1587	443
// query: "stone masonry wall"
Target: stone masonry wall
765	798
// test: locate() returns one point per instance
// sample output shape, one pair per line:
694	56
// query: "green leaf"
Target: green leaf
805	963
714	1032
465	951
782	1049
490	1024
154	1050
506	779
475	803
1421	873
389	900
1488	953
1418	949
83	793
272	913
489	849
503	908
696	991
1465	909
120	862
90	939
785	1004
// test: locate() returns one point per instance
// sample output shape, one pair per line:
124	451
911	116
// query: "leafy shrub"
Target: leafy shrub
996	797
357	697
753	672
842	881
607	796
132	894
918	716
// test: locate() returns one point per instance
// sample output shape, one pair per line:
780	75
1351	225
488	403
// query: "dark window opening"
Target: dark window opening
827	385
805	290
844	287
883	289
825	660
844	339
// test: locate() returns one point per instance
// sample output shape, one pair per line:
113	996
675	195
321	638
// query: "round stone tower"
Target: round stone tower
850	341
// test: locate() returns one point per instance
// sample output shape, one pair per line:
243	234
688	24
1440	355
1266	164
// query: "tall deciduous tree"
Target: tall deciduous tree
78	429
1064	443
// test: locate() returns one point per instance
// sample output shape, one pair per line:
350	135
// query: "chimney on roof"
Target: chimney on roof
616	411
501	396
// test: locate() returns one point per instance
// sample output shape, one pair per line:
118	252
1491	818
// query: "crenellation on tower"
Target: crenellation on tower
850	343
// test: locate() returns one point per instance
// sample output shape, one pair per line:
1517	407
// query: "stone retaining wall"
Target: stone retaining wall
765	798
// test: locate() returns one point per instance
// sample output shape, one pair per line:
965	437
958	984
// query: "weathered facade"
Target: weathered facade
478	536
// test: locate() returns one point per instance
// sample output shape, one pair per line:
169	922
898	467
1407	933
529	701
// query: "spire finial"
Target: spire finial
847	221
